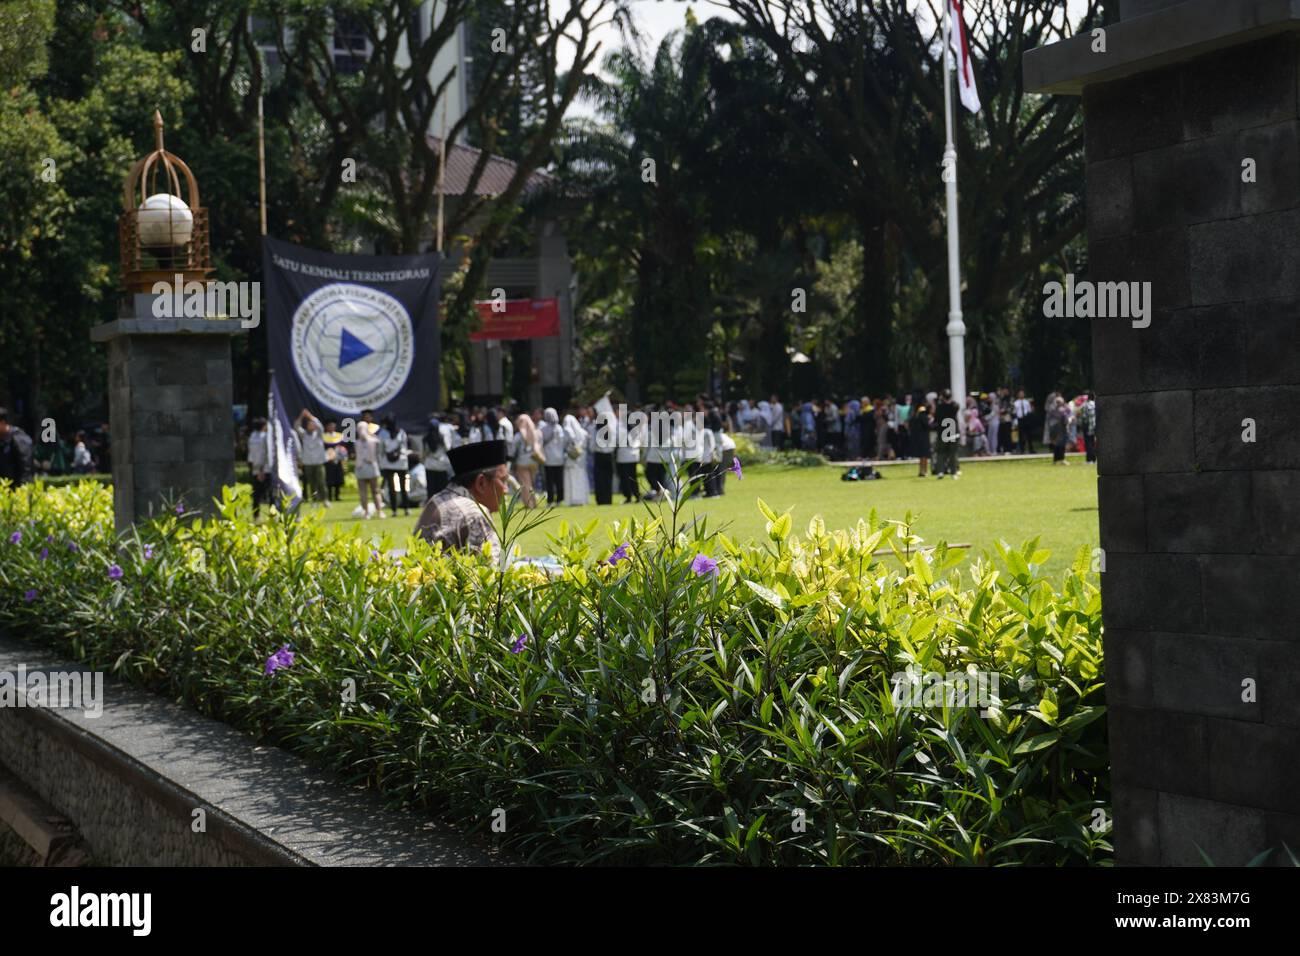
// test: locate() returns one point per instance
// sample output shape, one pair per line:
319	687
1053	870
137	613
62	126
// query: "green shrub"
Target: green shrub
632	713
57	481
751	453
747	449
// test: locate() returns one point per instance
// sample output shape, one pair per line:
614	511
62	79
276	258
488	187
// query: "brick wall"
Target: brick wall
1201	529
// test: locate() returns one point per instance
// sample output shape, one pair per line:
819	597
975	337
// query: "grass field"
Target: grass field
1011	500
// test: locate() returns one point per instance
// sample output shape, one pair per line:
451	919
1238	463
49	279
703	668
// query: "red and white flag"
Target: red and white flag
970	97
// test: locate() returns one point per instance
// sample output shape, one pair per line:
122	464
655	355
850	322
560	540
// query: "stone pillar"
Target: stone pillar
170	418
1193	185
554	356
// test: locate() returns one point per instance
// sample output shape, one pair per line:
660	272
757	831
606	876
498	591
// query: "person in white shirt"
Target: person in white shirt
709	453
82	461
576	489
367	468
394	464
450	434
311	448
553	453
259	463
505	430
777	424
726	452
437	463
659	450
626	459
688	447
604	436
1023	409
479	430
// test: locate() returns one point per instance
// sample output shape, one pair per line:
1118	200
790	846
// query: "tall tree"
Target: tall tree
70	130
871	71
639	166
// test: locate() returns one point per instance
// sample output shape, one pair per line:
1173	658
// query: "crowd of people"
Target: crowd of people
23	458
885	428
572	457
381	451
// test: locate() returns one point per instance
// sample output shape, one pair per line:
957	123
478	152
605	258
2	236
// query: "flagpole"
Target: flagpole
956	327
442	168
261	162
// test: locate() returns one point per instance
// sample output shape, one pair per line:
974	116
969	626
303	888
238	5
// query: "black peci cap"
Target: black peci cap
476	456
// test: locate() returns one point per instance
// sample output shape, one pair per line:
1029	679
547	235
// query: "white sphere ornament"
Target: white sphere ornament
163	220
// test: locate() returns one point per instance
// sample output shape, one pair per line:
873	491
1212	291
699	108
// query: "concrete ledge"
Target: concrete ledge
132	779
108	331
1162	37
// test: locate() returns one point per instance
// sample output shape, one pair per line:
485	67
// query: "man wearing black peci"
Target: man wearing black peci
458	515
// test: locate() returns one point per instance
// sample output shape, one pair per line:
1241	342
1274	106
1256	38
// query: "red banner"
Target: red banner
522	319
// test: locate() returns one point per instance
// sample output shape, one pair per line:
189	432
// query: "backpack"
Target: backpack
397	453
572	447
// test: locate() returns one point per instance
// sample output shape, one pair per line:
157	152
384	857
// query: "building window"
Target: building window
351	47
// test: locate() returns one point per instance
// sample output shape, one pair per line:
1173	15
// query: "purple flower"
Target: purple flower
180	507
620	554
45	553
735	466
114	573
281	658
703	565
148	551
30	596
72	546
519	644
16	537
49	539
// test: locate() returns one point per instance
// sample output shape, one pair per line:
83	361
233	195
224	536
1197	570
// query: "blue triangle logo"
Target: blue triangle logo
351	348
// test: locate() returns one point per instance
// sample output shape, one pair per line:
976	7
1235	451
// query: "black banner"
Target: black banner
346	333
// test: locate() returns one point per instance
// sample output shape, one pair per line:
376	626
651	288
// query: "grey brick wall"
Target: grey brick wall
170	408
1201	529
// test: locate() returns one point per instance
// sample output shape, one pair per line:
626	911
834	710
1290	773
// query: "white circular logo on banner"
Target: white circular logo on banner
352	346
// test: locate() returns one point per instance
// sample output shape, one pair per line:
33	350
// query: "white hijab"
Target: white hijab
574	430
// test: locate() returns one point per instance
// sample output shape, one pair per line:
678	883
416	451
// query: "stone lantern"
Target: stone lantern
169	371
163	229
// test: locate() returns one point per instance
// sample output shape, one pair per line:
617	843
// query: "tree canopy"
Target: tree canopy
755	187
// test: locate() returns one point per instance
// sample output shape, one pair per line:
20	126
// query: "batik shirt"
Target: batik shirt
453	517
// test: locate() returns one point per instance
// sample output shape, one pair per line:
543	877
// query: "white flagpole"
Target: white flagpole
956	327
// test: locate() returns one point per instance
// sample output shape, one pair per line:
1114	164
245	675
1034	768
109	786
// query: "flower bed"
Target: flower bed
670	696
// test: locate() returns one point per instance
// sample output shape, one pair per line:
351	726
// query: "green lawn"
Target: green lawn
1011	500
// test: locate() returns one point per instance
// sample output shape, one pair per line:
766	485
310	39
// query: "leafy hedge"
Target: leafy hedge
58	481
753	453
649	710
